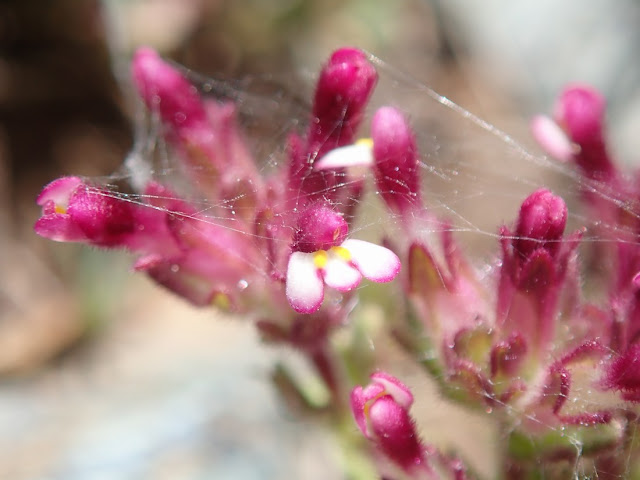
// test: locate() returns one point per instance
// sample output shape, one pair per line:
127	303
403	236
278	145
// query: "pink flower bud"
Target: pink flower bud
104	218
580	109
206	135
74	211
319	228
535	269
541	223
343	90
534	258
395	431
396	160
381	411
166	90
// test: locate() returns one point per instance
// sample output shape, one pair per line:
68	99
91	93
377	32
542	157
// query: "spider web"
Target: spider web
474	174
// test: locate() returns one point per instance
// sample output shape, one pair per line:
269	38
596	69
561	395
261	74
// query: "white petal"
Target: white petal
59	191
552	138
304	286
374	262
395	388
354	155
340	275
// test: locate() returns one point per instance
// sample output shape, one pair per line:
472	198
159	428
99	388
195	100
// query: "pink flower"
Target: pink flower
73	211
391	153
200	261
381	411
576	132
248	246
322	255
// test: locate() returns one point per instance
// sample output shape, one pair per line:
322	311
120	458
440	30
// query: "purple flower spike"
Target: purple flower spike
321	255
396	160
381	411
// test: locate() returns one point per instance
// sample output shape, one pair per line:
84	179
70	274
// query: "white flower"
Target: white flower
340	267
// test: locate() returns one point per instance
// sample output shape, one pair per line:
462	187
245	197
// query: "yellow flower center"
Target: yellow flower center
320	258
222	301
341	252
366	142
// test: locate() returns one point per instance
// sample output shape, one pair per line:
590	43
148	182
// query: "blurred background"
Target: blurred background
102	375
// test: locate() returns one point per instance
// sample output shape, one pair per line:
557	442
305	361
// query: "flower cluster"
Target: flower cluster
523	342
520	341
288	228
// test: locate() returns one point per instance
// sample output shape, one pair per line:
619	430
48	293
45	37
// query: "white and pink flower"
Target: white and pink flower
323	256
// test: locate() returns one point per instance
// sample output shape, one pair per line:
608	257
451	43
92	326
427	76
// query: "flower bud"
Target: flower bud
381	411
319	228
536	260
580	110
541	224
343	90
166	90
396	160
74	211
206	135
